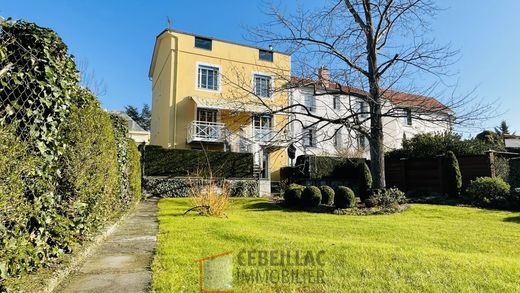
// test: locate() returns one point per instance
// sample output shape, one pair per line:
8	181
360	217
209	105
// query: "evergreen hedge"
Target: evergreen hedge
453	176
159	161
63	176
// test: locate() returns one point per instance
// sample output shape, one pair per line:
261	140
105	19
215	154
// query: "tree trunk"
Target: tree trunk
377	151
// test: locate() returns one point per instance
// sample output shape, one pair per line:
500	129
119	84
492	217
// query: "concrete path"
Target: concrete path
122	262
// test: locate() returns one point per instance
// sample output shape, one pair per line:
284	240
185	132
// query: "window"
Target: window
206	115
338	139
265	55
262	85
203	43
262	128
362	141
310	103
309	137
363	108
208	78
337	103
407	116
263	121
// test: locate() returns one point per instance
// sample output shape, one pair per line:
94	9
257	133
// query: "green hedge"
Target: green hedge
159	161
181	187
63	176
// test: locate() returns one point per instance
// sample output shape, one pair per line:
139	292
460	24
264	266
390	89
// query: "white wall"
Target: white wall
394	128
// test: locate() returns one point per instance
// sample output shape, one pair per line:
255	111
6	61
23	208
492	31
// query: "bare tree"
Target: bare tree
376	50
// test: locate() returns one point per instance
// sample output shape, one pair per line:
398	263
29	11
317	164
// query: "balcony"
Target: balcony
200	131
270	136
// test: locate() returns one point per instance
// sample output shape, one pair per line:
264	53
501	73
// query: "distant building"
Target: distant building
135	131
512	143
315	137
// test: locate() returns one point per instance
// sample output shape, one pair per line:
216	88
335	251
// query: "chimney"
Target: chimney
323	74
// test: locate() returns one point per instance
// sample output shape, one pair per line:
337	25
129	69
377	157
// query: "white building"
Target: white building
135	131
408	115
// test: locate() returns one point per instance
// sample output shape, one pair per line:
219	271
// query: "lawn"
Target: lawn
425	248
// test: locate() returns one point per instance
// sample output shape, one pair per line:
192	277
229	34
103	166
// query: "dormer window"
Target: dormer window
265	55
203	43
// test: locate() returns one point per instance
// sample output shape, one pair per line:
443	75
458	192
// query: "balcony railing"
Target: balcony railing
269	136
200	131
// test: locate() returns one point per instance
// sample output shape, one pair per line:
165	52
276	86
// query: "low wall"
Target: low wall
167	187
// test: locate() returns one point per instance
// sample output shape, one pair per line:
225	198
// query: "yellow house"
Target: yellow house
220	95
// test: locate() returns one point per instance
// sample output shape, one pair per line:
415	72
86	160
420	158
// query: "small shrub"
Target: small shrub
327	195
344	198
489	192
365	184
293	194
386	198
210	198
453	175
311	196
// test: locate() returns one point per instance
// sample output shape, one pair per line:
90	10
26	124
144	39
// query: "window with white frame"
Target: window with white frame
407	116
336	102
262	85
310	103
363	109
362	141
309	137
338	139
208	77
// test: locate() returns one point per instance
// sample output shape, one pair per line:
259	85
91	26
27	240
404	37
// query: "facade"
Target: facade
217	95
323	138
512	143
135	131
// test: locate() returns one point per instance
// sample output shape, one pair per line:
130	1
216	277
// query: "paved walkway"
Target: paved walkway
122	262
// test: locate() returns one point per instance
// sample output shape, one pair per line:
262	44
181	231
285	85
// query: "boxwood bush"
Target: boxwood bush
344	198
490	192
327	195
293	194
311	196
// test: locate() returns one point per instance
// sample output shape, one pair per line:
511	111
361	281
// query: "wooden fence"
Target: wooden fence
428	174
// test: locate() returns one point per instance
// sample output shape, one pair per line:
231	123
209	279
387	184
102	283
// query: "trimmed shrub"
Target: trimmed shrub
182	186
453	175
344	198
327	195
293	194
134	169
489	192
90	182
389	197
365	184
311	196
159	161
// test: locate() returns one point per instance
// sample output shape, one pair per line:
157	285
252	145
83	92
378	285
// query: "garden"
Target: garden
425	248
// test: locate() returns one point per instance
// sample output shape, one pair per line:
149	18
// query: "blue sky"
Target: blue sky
116	39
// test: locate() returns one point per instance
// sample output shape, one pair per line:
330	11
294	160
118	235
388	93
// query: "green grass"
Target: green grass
426	248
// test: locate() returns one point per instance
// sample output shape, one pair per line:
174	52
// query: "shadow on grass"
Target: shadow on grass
279	206
512	219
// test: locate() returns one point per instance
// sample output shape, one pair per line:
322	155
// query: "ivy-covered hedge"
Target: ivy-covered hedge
181	186
65	170
159	161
